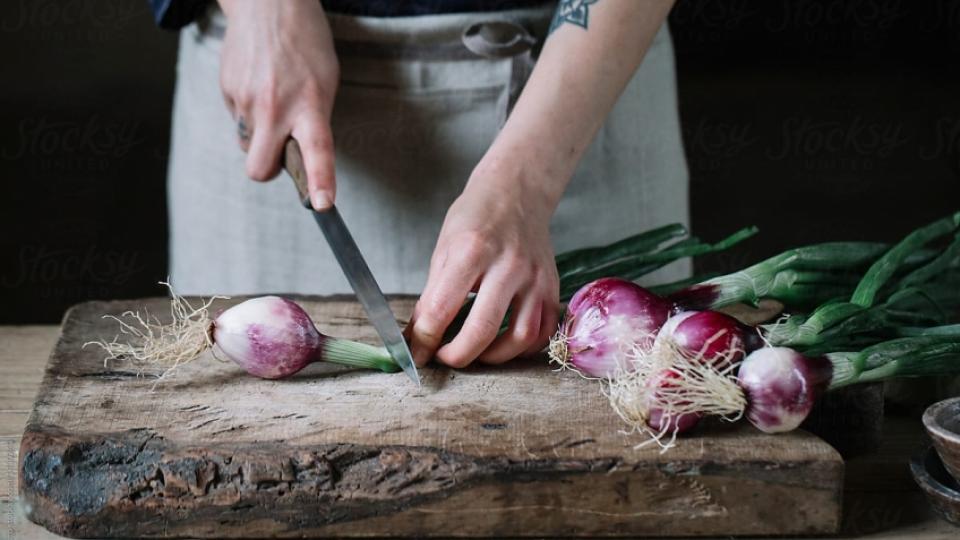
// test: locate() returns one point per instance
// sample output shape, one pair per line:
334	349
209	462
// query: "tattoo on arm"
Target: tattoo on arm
572	11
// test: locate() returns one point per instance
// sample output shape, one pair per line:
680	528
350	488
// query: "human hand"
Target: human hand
495	241
279	75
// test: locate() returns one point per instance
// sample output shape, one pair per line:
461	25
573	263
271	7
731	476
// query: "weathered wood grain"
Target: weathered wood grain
517	450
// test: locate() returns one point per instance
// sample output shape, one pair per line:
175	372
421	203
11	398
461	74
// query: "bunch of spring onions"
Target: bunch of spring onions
670	360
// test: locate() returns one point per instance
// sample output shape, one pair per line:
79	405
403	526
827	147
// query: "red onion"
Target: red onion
272	337
269	337
781	386
606	320
672	388
660	420
711	336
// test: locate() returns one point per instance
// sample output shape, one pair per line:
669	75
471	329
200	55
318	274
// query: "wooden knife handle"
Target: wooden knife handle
293	163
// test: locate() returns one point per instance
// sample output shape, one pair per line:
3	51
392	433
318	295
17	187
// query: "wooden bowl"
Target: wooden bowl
942	420
941	489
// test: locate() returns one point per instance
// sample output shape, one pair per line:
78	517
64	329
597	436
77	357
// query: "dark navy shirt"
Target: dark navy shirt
178	13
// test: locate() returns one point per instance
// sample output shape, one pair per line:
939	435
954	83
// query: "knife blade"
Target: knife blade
354	266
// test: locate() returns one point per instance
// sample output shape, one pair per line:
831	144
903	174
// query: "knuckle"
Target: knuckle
456	361
427	328
314	94
243	99
474	244
483	328
227	83
547	275
268	91
311	90
437	307
259	170
525	334
518	266
267	108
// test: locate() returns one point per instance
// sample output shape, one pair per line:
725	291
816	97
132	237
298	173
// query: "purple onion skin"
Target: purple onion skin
270	337
657	421
679	423
781	386
605	318
719	338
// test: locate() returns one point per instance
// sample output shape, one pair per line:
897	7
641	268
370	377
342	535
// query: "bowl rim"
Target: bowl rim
935	428
926	481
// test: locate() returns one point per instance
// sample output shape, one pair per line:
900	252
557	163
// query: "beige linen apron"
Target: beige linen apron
420	101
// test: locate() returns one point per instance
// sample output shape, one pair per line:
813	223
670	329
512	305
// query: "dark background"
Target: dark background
815	120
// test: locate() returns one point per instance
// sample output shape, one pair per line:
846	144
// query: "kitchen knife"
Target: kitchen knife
353	266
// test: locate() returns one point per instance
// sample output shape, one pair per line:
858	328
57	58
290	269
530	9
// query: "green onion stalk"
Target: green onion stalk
806	275
812	275
637	265
935	353
861	313
580	260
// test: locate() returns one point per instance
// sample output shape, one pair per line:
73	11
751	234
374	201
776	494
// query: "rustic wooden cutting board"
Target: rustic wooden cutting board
518	450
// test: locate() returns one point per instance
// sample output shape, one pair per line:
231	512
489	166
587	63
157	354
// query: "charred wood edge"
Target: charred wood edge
136	482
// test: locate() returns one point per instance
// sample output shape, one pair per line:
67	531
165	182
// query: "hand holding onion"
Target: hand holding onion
495	241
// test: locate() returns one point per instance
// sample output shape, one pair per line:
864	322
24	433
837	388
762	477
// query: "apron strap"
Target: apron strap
504	39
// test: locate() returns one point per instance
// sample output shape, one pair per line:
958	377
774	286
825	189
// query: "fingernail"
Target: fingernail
321	200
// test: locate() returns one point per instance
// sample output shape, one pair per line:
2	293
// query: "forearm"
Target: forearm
578	78
228	6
